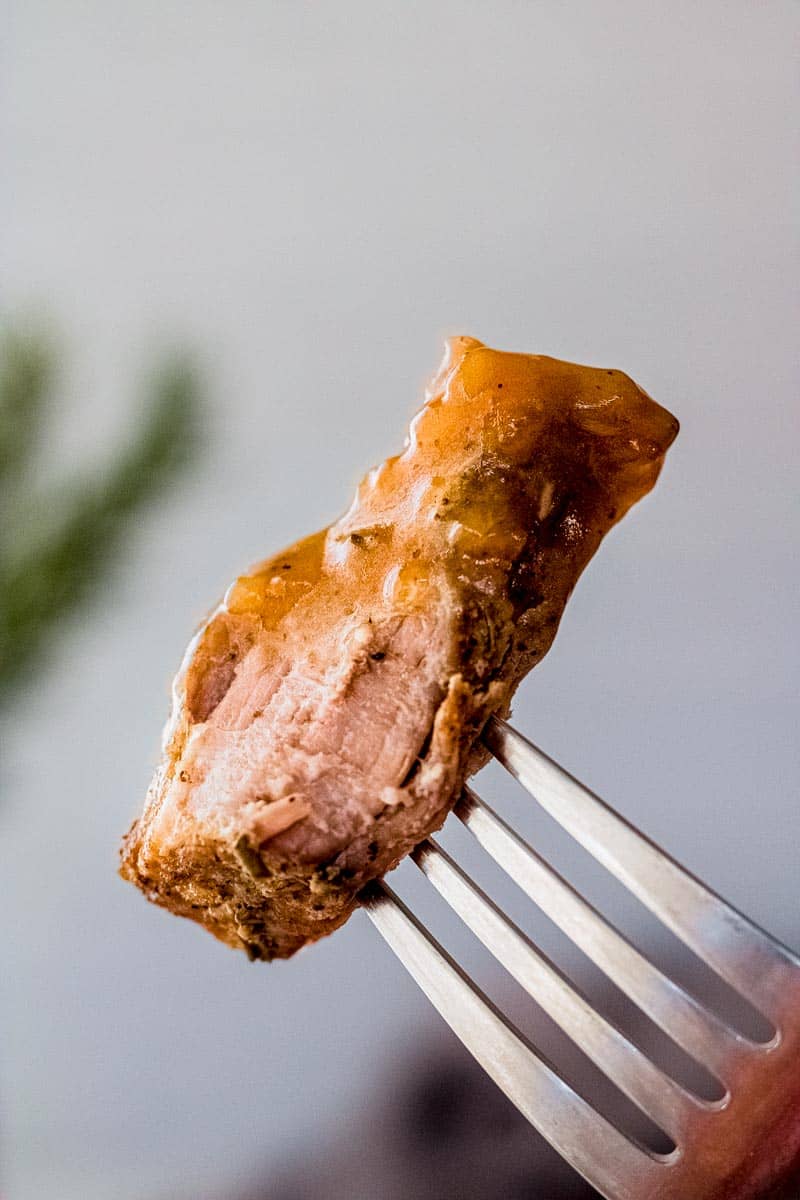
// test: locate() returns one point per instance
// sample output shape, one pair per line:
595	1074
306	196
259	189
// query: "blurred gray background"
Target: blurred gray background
313	196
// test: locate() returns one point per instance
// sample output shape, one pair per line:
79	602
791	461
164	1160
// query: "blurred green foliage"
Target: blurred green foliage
57	542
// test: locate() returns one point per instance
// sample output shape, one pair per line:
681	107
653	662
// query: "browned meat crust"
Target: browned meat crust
326	716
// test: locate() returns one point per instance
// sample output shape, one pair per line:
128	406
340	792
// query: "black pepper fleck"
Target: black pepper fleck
249	858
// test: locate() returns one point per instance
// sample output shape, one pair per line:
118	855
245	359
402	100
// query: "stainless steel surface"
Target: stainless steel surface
733	1146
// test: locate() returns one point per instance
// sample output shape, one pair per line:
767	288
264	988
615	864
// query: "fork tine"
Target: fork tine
656	1094
754	963
597	1149
699	1032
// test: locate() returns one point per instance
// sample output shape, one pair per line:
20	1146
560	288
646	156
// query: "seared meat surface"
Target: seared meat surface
326	716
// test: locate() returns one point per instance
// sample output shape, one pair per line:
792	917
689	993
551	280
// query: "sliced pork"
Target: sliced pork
326	716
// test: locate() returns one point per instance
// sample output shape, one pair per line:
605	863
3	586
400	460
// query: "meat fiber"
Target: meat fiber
326	716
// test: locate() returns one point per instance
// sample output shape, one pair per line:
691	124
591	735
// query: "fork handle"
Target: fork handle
775	1174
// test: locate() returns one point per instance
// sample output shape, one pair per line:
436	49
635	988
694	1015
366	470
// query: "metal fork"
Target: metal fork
732	1148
